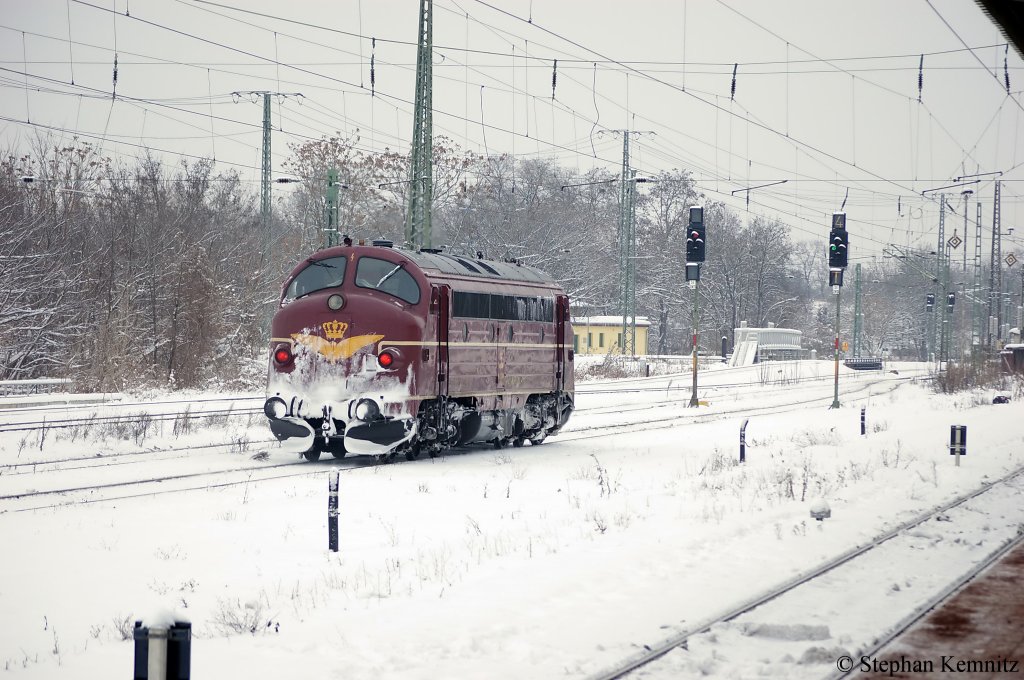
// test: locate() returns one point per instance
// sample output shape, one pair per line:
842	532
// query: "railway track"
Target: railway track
736	392
669	421
72	406
653	652
119	419
107	459
225	472
923	610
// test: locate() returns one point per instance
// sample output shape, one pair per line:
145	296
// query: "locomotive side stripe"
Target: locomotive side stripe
420	343
475	394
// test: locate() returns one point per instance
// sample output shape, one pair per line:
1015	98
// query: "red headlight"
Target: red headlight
385	359
282	355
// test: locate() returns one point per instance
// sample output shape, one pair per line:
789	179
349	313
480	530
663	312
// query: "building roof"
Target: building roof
608	320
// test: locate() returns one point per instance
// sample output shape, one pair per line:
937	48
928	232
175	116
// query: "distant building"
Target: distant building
603	334
765	344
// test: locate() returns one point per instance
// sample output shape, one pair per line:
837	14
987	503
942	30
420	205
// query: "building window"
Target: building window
575	343
618	339
590	341
600	339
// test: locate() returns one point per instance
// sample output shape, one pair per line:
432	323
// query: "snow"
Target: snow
557	560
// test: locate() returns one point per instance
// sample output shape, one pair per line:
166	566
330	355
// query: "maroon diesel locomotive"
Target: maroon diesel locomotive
382	351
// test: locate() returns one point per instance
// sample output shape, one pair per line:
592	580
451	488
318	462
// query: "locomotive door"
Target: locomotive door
440	301
561	316
501	337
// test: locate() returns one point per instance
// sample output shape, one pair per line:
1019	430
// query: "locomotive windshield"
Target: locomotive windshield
320	274
387	277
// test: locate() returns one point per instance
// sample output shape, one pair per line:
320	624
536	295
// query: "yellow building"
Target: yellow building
603	334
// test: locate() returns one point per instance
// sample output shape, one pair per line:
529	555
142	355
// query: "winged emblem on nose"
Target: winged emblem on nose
332	347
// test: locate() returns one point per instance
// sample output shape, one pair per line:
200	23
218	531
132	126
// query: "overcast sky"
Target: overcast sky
826	93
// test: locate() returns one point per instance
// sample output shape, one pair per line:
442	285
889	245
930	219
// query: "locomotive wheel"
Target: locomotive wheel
538	441
413	453
313	455
499	443
518	442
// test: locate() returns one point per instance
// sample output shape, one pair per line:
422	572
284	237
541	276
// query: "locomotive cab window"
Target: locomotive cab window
387	277
320	274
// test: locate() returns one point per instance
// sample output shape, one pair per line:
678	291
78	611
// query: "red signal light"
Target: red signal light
385	359
282	355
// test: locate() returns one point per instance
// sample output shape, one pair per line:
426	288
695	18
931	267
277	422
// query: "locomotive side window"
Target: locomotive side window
472	305
387	277
503	307
320	274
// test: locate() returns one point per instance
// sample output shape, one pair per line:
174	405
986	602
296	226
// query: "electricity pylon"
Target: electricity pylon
418	230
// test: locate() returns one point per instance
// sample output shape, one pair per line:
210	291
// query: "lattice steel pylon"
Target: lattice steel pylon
935	330
265	180
858	315
418	230
627	246
978	327
265	167
940	257
995	293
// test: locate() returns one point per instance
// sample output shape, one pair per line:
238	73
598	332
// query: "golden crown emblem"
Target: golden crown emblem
334	330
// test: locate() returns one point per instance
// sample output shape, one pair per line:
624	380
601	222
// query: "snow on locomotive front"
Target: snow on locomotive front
329	388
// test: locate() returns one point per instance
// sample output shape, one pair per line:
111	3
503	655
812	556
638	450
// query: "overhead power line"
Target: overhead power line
952	30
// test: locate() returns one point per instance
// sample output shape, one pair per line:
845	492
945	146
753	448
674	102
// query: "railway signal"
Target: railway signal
838	256
929	302
696	239
839	242
696	235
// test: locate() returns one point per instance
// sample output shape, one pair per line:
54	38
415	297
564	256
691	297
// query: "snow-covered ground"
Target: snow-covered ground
550	561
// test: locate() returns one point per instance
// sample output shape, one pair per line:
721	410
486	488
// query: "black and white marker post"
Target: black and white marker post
958	441
743	441
332	512
163	651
